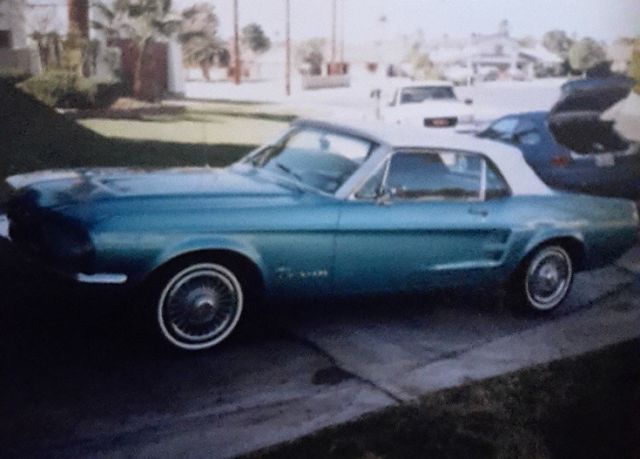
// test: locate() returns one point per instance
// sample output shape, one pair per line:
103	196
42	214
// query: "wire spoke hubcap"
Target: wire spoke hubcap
548	278
200	306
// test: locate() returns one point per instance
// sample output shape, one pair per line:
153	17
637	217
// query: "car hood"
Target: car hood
53	189
575	119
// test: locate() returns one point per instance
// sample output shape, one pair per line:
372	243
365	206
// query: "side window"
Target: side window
527	133
496	187
446	175
441	175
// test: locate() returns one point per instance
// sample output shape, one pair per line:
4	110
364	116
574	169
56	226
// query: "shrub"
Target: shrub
68	90
13	76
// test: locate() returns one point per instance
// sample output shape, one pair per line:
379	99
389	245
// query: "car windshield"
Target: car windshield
316	158
417	94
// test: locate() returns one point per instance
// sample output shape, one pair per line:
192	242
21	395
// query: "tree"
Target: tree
527	42
558	42
141	21
424	68
585	54
78	12
254	38
311	53
198	35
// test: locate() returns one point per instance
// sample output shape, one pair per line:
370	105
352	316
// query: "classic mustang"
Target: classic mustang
327	209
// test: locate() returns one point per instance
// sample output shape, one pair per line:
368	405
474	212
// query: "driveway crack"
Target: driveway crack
334	362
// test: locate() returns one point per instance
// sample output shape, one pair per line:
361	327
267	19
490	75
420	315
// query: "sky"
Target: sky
601	19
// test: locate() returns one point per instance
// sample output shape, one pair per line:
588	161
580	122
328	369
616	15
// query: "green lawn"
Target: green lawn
585	407
207	123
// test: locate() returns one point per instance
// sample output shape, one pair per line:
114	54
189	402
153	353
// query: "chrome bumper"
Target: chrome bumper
4	226
100	278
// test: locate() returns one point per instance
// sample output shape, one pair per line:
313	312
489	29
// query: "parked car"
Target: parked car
614	171
328	209
431	104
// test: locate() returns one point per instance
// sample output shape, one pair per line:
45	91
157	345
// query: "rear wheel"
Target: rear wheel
544	280
198	306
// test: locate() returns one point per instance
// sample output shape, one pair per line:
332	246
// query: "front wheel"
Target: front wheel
199	306
544	279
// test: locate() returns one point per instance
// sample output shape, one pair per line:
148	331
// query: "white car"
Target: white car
431	104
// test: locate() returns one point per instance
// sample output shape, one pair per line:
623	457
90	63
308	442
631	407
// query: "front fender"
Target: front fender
208	243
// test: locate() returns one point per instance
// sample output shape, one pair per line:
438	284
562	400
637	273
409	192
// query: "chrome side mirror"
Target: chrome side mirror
384	195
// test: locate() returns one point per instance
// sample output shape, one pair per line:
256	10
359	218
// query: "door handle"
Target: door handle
480	212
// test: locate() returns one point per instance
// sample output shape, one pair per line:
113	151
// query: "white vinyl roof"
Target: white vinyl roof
521	178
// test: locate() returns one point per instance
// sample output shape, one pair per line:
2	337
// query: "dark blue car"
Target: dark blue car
601	165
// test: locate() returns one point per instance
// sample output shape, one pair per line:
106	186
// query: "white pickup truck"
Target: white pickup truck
431	104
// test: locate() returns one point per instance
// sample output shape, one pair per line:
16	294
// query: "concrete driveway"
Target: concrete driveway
78	381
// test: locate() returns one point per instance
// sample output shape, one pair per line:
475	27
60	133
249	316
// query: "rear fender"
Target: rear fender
547	234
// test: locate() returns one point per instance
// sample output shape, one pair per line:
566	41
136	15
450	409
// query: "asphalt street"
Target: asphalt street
78	381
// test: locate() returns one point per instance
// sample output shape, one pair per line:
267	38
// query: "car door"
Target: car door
296	239
425	219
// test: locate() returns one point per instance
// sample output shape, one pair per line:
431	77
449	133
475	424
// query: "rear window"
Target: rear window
419	94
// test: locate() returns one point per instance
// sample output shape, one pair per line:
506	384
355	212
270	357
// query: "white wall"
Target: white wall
12	17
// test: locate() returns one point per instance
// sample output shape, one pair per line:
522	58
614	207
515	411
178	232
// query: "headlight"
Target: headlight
66	242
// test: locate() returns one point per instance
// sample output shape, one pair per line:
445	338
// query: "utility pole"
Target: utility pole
333	33
236	44
287	84
342	30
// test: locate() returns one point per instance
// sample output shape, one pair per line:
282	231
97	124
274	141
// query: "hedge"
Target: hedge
68	90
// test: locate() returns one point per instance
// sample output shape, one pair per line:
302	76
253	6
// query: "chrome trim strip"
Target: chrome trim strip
101	278
4	226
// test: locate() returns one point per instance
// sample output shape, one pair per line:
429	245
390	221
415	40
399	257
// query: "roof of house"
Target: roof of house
541	54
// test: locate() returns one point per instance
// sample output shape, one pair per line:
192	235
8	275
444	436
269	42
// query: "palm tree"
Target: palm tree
202	52
141	21
198	35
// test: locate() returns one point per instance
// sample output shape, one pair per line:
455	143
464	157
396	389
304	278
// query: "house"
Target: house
15	49
489	56
21	20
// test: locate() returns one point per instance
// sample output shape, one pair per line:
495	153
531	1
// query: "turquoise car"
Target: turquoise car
327	209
